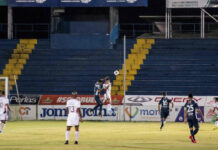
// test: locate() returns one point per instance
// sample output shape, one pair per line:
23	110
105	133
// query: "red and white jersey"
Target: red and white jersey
3	102
73	105
107	87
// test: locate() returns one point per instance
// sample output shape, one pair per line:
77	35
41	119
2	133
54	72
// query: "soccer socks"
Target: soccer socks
2	126
195	131
162	124
216	123
192	132
67	134
109	107
76	135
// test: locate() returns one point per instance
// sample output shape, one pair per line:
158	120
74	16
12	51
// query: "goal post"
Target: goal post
4	85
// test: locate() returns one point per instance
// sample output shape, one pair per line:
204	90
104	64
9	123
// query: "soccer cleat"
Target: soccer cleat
76	142
192	138
194	141
66	142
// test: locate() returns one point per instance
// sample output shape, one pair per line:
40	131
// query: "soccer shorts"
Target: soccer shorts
107	96
4	116
73	120
164	114
98	100
193	123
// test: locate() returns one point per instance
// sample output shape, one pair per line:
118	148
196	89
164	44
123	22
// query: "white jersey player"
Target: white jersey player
107	95
74	117
215	110
4	107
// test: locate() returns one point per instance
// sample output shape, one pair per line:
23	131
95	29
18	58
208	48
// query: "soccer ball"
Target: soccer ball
116	72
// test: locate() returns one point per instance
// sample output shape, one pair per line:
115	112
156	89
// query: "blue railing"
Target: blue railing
114	35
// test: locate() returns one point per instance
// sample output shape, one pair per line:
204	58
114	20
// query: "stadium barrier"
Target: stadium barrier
137	108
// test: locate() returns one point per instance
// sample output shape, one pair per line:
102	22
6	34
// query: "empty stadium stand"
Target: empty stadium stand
61	71
6	49
179	67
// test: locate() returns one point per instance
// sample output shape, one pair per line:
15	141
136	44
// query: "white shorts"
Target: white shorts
107	96
3	117
73	120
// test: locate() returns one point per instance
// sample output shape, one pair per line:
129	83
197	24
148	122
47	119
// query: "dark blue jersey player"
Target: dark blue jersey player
190	115
97	93
164	108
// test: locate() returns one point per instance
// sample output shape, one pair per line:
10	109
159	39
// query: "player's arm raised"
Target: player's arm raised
201	114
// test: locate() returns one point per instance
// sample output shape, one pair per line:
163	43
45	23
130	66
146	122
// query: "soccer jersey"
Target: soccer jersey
73	105
96	89
165	104
3	102
191	109
107	87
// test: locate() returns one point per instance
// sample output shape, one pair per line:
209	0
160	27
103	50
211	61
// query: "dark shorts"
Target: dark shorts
98	100
164	114
193	123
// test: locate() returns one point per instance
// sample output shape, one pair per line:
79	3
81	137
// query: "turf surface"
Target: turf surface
50	135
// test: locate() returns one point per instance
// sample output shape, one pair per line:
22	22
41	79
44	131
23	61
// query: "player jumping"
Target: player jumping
4	107
190	109
107	94
215	110
165	109
74	117
97	92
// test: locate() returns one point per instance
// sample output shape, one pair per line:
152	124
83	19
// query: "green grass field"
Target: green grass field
50	135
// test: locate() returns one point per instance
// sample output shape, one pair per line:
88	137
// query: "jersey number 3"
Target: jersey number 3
72	109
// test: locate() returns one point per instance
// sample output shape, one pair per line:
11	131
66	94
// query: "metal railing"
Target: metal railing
36	30
3	30
137	29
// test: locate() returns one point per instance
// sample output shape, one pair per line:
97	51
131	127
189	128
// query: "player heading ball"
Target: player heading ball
74	117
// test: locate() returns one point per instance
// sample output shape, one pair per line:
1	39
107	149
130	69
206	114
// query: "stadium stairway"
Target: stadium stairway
61	71
6	49
17	59
179	67
133	64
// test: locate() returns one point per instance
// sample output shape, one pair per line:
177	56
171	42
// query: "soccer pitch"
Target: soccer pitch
50	135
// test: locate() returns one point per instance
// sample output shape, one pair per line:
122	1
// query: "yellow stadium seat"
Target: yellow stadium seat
24	41
22	61
24	56
11	82
12	61
115	88
33	41
17	72
15	56
30	46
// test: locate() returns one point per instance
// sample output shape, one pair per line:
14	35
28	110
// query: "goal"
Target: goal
4	85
